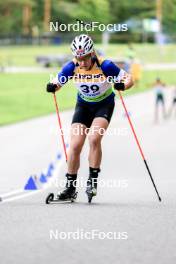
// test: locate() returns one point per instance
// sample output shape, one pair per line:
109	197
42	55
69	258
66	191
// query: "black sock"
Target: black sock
71	180
93	172
93	175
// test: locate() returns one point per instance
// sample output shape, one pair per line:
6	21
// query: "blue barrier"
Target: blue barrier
30	185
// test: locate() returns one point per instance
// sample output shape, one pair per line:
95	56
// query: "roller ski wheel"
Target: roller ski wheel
91	194
49	198
89	198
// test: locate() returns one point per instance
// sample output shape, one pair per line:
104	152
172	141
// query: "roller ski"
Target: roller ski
50	198
91	189
68	195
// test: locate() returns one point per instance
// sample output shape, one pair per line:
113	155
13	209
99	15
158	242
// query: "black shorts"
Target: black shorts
159	98
86	112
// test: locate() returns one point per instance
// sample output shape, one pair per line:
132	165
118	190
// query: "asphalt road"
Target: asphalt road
143	229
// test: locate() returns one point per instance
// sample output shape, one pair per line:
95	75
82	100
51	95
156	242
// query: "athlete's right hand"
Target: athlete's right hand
51	87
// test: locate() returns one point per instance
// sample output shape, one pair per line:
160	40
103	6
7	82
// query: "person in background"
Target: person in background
158	87
136	71
130	53
173	104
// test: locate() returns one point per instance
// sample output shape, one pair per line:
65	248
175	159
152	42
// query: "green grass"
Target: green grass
23	95
26	55
146	53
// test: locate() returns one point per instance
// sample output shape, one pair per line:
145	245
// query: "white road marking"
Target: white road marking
20	193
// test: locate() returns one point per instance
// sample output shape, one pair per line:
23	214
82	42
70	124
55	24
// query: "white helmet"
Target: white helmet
82	45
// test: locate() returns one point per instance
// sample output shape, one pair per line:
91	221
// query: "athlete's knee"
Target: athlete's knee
75	147
94	141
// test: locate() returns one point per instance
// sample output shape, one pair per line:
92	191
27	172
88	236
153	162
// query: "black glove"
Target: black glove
51	87
119	86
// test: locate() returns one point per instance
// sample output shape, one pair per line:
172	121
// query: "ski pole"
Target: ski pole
138	144
60	126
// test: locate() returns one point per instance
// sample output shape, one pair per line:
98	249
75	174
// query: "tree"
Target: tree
13	17
169	16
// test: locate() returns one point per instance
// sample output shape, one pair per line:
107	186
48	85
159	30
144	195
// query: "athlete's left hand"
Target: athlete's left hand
119	86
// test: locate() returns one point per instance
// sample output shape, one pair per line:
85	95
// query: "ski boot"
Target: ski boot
69	194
